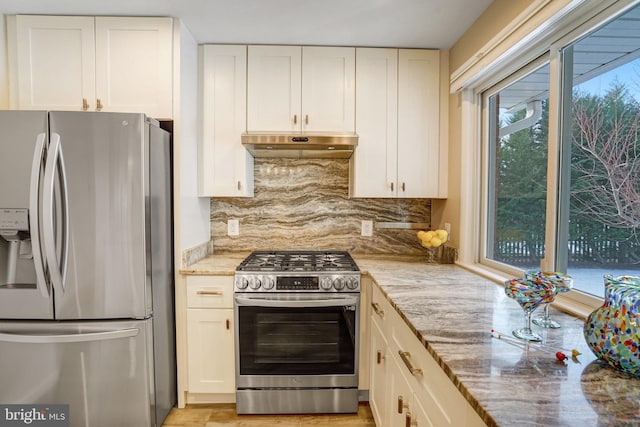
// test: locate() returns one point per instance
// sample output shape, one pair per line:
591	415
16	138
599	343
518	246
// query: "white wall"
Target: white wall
192	212
4	72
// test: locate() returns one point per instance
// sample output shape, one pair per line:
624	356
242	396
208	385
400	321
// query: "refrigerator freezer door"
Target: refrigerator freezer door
23	139
102	370
106	169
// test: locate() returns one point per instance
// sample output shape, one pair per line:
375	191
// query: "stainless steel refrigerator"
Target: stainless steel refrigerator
86	268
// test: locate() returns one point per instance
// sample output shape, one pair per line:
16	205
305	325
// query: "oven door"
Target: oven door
296	340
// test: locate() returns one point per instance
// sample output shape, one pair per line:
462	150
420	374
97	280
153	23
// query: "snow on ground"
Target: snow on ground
591	280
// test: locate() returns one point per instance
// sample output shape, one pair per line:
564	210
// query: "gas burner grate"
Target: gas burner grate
298	261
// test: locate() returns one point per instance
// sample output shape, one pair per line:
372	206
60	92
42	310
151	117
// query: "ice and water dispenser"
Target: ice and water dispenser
16	258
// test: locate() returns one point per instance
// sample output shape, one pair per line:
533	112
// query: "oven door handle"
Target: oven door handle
269	302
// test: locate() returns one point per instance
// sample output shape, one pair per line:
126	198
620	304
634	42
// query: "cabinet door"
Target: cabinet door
55	62
418	123
378	383
225	167
400	395
210	348
273	88
328	89
374	162
134	65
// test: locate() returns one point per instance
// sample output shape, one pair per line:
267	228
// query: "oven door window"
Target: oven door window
297	341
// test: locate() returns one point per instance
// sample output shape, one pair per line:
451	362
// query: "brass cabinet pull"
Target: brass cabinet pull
208	292
405	355
379	357
98	105
228	324
377	309
306	119
85	104
403	186
409	422
401	405
295	119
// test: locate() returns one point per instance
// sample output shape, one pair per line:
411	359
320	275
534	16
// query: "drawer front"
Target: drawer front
436	392
210	292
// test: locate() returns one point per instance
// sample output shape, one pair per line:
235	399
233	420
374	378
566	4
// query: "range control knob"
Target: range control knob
339	283
352	283
268	283
242	282
326	283
255	283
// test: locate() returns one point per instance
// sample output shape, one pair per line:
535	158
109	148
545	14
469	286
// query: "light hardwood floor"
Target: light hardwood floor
220	415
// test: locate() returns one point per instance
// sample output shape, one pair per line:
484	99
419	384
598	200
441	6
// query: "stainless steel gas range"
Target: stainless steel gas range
297	318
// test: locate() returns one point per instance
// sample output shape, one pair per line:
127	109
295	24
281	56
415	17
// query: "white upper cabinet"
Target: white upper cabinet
274	88
398	123
374	167
328	89
301	89
55	62
94	64
225	167
134	65
418	123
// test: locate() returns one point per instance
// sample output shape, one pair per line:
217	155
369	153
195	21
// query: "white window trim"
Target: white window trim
562	31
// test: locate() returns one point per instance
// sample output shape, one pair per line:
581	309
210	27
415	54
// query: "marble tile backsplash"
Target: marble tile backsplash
304	204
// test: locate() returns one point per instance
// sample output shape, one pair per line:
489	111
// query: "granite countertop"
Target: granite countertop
453	312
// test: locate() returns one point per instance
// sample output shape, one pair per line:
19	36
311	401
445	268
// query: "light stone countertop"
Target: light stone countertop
452	311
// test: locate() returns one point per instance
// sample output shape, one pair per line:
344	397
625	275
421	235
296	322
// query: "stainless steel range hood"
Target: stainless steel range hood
298	146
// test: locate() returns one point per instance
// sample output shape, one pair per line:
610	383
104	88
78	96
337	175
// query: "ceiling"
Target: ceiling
384	23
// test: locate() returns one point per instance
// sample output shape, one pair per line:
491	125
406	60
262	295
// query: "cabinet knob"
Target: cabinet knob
228	324
306	119
98	105
85	104
403	186
379	357
239	185
295	119
392	186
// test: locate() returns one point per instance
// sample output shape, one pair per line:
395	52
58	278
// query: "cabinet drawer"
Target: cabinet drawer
210	292
433	388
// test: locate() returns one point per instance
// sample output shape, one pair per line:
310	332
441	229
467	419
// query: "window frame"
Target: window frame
487	133
561	34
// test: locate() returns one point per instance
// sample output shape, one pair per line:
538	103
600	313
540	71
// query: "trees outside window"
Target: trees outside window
598	208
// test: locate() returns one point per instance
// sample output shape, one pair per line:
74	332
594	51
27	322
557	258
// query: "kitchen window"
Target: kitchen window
515	169
560	152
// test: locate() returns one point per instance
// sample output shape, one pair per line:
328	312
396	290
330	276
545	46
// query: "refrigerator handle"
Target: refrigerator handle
34	216
55	164
67	338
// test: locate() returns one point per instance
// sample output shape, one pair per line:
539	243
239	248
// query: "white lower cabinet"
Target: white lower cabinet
378	387
407	386
407	409
210	337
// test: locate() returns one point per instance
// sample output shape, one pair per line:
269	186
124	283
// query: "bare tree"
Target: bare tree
607	165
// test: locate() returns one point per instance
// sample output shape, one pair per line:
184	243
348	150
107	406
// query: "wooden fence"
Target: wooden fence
582	251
